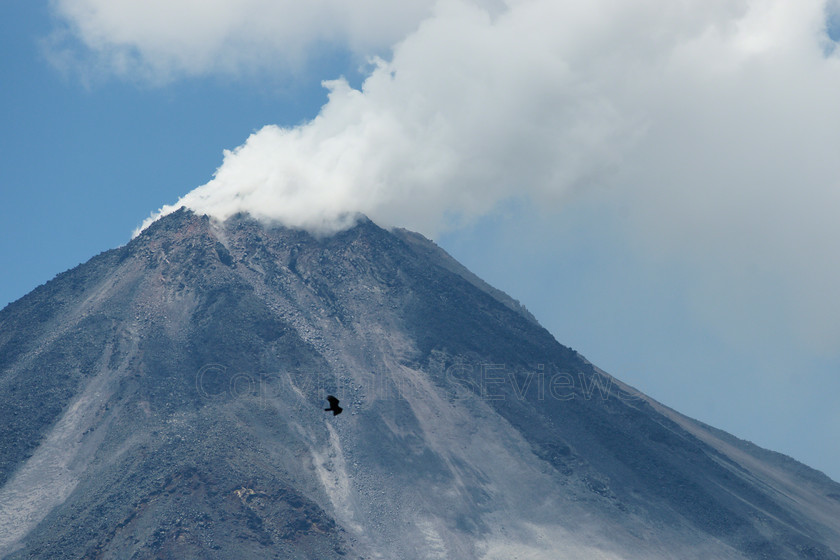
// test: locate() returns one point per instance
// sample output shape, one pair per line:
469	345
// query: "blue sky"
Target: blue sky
660	189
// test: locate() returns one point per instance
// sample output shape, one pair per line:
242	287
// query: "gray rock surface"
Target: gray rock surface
165	400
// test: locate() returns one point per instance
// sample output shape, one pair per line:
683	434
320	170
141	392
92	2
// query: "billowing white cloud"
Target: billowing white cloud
471	110
163	39
712	126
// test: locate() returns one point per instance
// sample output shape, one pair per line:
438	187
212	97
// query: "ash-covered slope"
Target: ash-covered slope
166	400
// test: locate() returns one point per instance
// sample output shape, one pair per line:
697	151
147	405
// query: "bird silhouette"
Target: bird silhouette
336	410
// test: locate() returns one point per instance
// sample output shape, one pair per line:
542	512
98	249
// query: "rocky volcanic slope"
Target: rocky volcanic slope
164	400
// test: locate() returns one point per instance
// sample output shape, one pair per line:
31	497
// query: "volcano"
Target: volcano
166	400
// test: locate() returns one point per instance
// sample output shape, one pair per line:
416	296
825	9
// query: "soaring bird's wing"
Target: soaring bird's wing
332	400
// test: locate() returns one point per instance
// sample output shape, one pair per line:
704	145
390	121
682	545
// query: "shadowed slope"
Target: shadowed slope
166	399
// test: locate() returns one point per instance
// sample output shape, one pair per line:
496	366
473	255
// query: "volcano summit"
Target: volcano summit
165	400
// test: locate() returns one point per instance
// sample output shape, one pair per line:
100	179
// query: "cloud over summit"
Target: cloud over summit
472	109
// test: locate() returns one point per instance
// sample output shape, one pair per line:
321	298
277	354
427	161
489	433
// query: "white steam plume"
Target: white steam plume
475	107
